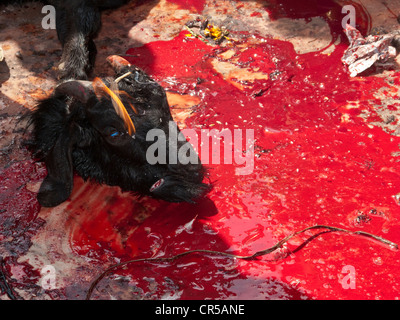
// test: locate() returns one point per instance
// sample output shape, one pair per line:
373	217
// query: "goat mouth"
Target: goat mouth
156	185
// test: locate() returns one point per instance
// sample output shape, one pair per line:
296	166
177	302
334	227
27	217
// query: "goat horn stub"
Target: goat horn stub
79	89
117	62
99	88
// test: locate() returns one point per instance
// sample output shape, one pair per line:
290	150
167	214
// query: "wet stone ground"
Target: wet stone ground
326	152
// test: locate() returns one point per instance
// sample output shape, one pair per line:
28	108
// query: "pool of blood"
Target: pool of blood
316	161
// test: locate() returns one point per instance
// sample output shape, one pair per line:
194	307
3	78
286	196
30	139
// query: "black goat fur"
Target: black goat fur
77	24
88	136
91	138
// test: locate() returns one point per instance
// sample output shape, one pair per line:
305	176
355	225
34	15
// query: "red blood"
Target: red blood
256	14
312	166
18	205
329	10
193	5
317	161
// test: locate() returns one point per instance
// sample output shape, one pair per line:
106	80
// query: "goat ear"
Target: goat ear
117	63
57	186
79	89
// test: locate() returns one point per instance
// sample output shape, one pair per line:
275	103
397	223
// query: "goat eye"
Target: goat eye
116	134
